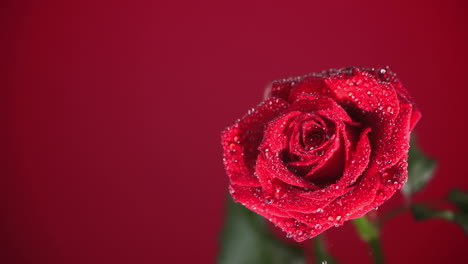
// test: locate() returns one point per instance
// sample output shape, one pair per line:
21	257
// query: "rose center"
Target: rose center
313	139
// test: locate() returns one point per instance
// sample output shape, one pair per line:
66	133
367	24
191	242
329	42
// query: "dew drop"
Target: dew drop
288	235
268	153
382	195
330	218
268	199
232	147
318	226
397	185
390	109
338	218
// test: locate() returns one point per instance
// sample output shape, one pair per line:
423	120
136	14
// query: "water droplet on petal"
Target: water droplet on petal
397	185
390	109
268	199
268	153
232	147
382	195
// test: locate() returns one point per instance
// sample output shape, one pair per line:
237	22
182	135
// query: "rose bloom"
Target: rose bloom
321	149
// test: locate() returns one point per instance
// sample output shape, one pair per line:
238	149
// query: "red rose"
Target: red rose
321	149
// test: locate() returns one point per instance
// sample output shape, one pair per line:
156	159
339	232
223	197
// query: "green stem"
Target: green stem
377	253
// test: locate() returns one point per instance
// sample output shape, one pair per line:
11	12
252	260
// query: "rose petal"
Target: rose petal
391	181
269	168
358	161
343	208
365	92
240	142
254	199
289	198
391	143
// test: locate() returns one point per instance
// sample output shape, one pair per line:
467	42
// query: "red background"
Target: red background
112	111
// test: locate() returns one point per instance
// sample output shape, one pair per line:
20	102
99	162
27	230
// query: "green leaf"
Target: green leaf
246	239
370	234
462	220
460	199
320	251
420	169
366	230
423	212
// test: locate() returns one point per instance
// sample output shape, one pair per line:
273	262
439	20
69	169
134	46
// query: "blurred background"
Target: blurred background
111	115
